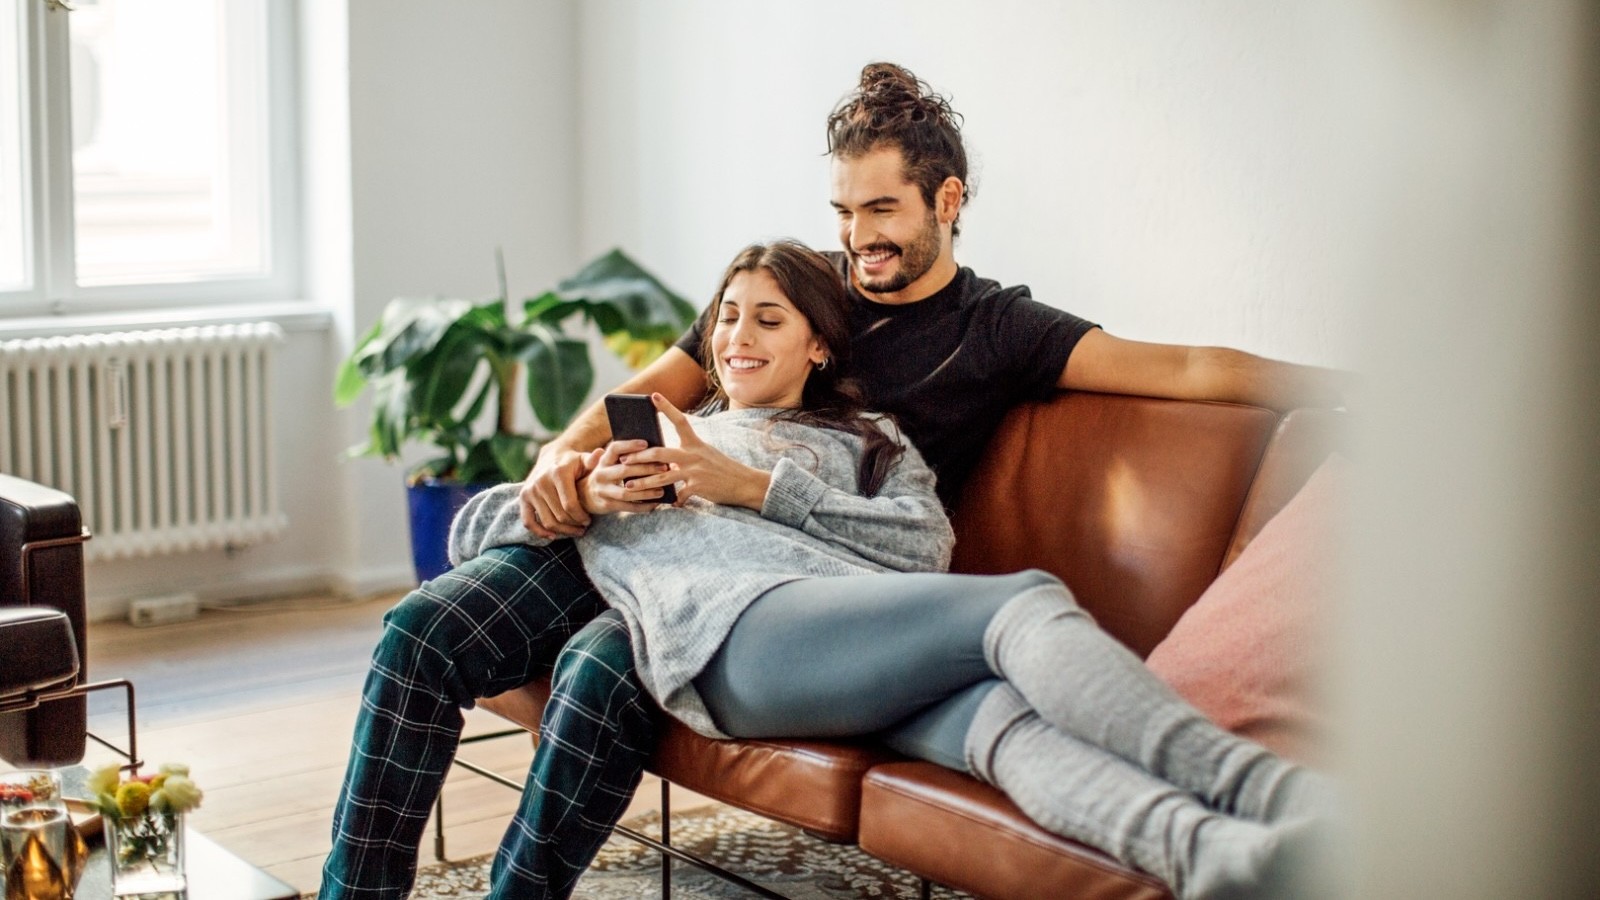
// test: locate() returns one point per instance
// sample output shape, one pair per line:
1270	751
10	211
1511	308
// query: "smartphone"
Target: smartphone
633	418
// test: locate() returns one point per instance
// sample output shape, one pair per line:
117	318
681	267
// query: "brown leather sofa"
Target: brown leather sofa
1137	504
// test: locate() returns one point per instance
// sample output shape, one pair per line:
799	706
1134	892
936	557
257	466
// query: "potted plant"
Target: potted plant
436	365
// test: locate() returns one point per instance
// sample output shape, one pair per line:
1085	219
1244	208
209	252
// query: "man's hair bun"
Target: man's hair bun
891	107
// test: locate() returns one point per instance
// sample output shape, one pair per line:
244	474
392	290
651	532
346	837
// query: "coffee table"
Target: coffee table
214	874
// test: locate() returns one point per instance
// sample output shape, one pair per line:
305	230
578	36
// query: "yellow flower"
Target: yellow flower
174	769
133	798
181	794
104	779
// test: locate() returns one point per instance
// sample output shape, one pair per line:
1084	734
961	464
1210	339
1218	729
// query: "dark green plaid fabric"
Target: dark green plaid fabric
487	626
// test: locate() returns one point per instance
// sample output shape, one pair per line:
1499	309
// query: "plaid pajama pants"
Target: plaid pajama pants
493	624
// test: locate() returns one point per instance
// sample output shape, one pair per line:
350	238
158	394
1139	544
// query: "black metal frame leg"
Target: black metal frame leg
663	846
33	699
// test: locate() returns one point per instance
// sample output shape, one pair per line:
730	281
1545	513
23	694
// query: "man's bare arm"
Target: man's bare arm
1110	364
551	502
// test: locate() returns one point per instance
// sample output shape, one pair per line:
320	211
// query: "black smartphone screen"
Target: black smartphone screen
633	418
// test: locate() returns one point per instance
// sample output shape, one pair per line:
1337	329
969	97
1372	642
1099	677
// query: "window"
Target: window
145	153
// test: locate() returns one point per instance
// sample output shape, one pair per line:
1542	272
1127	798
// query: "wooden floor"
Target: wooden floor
260	701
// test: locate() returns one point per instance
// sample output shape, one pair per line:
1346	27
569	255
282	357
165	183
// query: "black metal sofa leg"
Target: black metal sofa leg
666	838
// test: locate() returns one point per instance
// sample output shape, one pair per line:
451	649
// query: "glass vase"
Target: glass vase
146	853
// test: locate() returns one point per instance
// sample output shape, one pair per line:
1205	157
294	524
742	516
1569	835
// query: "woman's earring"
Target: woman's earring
822	365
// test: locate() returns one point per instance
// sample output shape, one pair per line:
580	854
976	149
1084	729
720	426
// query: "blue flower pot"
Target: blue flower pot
433	505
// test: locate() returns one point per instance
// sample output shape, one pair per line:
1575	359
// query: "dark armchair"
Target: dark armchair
43	621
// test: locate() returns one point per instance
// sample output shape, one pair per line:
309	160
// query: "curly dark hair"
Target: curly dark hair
893	107
830	398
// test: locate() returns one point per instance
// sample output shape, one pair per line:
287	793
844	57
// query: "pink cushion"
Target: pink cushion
1248	653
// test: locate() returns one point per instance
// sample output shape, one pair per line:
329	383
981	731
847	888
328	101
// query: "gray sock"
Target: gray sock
1287	863
1080	792
1084	682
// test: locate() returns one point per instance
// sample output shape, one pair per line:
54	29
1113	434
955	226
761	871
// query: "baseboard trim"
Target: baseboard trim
274	584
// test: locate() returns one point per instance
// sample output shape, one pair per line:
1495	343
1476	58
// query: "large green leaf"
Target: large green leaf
348	383
559	376
439	467
410	327
513	453
440	377
480	465
620	295
551	308
478	402
391	405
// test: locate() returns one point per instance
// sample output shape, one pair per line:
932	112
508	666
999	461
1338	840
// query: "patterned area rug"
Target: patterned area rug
775	855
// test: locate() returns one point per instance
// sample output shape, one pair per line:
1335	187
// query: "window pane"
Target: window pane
14	206
168	112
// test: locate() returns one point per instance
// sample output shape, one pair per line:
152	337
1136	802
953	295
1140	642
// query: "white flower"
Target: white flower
181	794
105	779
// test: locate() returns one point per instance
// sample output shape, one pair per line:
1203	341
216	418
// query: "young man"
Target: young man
944	350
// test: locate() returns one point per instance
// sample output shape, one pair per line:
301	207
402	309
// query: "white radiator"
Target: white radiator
164	437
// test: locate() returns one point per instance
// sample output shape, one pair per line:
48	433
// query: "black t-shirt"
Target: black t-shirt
950	366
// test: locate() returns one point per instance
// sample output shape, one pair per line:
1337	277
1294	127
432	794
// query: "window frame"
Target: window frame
48	185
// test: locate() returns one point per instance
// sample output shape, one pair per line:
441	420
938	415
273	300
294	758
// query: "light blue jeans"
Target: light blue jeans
798	662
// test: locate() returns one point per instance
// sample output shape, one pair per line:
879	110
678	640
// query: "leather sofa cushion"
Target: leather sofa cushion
40	651
814	785
964	834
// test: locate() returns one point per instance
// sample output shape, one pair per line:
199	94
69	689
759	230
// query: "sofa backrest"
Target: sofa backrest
1132	501
1303	439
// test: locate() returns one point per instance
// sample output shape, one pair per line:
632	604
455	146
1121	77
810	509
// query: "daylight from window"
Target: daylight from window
168	107
14	210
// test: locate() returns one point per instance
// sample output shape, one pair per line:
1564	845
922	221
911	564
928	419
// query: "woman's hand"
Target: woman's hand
699	469
613	482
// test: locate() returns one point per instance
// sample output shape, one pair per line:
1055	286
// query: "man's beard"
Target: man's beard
916	258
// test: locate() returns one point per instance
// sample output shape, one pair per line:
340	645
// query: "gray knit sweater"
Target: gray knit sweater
682	576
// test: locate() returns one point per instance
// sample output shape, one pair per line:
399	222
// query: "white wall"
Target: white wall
461	140
433	132
1169	170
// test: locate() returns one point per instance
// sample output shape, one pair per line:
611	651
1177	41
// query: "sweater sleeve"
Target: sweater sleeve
903	527
492	518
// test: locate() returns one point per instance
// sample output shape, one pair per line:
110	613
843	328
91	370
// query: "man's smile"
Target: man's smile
876	256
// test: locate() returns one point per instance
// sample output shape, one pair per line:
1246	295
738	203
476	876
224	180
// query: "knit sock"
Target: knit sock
1283	863
1088	795
1084	682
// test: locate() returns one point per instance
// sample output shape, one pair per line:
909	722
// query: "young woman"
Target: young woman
759	606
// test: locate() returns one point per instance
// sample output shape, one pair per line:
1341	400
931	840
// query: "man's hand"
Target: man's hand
552	505
700	469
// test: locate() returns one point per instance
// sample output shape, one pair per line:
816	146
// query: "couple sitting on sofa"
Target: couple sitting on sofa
794	500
